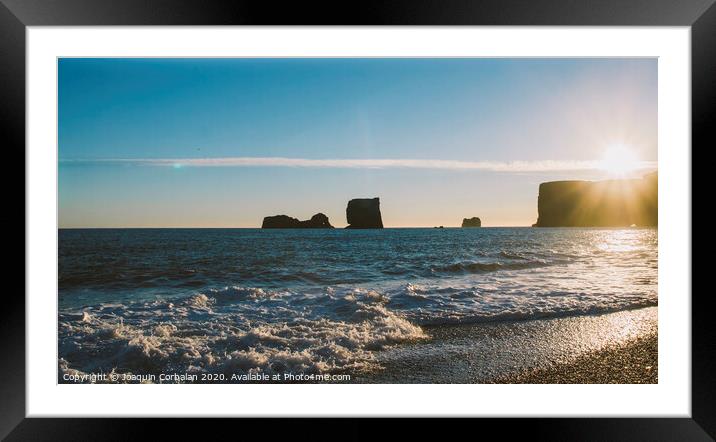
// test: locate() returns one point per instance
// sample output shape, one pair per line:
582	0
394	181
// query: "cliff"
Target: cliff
611	203
364	213
471	222
317	221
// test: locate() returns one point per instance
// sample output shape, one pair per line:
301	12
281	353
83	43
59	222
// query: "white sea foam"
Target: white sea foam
199	335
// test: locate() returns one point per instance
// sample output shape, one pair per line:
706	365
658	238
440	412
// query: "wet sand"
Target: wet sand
618	347
635	362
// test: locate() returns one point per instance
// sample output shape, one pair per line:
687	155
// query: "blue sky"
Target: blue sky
225	142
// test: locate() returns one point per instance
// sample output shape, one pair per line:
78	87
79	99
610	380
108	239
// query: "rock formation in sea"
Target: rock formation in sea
317	221
471	222
364	213
610	203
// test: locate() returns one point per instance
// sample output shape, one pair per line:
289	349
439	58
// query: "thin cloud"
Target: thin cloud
492	166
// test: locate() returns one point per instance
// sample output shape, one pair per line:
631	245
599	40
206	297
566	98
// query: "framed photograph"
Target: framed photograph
453	214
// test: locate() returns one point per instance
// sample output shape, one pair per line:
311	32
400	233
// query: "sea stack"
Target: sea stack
364	213
317	221
471	222
611	203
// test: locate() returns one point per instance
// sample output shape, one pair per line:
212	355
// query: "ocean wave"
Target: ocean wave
466	267
439	305
204	333
529	313
247	330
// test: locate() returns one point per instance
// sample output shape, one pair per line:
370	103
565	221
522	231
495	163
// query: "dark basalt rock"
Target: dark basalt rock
471	222
611	203
364	213
317	221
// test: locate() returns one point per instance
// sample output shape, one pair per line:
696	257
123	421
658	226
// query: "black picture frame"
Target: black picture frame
16	15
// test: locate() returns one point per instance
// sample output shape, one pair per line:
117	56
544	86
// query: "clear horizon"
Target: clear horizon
225	142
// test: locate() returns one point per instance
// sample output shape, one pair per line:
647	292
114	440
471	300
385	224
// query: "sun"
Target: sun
619	160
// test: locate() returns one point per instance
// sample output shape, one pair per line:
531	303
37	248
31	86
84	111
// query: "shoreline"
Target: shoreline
635	362
606	348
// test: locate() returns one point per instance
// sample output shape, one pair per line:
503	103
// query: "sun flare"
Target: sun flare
619	160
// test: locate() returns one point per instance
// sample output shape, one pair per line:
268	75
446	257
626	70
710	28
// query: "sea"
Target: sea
230	305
